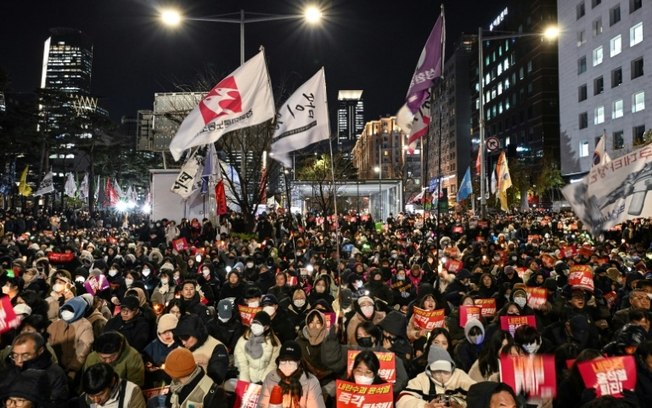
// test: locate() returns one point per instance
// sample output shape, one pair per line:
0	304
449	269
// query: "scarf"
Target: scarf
175	386
254	346
314	336
291	386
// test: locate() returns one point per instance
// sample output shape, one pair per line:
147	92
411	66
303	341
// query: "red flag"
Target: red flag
111	196
220	198
477	163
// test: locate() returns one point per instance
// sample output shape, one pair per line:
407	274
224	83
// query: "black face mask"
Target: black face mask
365	342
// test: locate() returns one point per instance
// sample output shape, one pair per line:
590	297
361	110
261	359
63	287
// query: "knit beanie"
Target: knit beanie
440	360
180	363
166	322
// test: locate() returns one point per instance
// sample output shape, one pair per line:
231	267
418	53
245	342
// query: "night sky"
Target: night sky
371	45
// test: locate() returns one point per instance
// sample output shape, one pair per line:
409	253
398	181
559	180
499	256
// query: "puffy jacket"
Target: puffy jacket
419	390
129	364
72	341
255	369
310	398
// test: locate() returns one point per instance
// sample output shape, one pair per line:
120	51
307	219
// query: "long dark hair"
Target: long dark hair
369	359
488	359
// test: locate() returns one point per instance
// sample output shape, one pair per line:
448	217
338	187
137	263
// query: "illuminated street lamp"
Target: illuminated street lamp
550	33
173	18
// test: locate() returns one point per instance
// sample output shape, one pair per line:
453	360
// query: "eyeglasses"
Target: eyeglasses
15	402
21	357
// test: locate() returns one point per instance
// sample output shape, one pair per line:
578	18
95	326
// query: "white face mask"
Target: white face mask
363	380
113	272
80	279
270	310
58	287
67	315
520	301
257	329
206	272
146	272
288	367
250	265
531	348
254	303
6	289
129	282
300	303
223	319
477	339
367	311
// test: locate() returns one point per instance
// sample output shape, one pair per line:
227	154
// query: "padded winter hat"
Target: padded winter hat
463	274
362	299
262	318
180	363
290	350
130	302
440	360
268	300
394	323
22	309
166	322
167	266
225	308
471	324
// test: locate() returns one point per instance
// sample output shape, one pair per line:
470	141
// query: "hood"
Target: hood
77	305
191	325
140	294
436	354
471	324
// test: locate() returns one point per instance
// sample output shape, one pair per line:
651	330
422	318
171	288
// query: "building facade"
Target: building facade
350	118
67	61
603	86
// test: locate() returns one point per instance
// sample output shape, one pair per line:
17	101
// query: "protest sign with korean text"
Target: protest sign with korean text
609	375
511	323
428	319
581	277
352	395
8	318
469	312
247	314
536	297
387	360
487	306
246	394
533	375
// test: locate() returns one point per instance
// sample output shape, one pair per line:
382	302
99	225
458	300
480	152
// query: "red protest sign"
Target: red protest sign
458	229
247	314
352	395
567	251
180	244
511	323
548	261
469	312
387	369
292	280
534	375
96	284
487	306
536	297
520	271
330	319
8	318
246	394
428	319
581	277
609	375
610	297
454	266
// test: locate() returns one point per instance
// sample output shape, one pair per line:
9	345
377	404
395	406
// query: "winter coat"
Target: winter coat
255	369
310	398
129	364
155	353
358	318
133	398
136	330
228	333
209	353
418	391
163	294
72	341
98	321
283	326
199	391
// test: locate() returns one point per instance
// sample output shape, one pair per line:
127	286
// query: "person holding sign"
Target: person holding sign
300	388
425	302
365	369
256	351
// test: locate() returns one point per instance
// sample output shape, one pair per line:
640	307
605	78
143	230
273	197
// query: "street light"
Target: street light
379	171
550	33
173	18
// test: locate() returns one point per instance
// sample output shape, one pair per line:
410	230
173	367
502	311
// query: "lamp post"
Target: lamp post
550	33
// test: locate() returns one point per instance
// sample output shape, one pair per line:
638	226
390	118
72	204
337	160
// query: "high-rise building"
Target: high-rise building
449	142
603	86
67	61
350	118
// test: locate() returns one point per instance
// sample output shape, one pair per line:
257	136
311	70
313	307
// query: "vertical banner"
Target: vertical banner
533	375
387	369
246	394
487	306
428	319
247	314
469	312
352	395
610	375
511	323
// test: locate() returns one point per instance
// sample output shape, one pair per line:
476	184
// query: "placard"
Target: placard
352	395
609	375
246	394
469	312
180	244
581	277
387	360
454	266
533	375
428	319
511	323
487	306
96	284
536	297
247	314
8	318
330	318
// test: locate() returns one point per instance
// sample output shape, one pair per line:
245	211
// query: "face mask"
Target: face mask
441	377
270	310
165	281
531	348
129	282
113	272
300	303
357	284
5	289
257	329
365	342
176	277
477	339
58	287
250	265
255	303
67	315
206	272
363	380
288	368
146	272
400	277
80	279
367	311
520	301
223	319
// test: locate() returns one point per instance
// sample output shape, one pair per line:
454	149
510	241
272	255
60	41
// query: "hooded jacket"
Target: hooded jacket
358	318
466	352
209	353
72	340
136	331
255	369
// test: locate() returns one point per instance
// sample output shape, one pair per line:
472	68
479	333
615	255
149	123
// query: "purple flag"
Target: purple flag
428	68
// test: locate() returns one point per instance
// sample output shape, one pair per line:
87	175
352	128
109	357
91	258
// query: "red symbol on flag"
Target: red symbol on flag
222	100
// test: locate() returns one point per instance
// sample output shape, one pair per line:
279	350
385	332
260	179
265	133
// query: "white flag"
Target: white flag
46	186
184	185
118	190
600	155
83	188
415	126
302	120
70	187
242	99
494	183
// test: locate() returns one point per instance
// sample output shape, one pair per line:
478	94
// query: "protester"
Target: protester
190	384
103	388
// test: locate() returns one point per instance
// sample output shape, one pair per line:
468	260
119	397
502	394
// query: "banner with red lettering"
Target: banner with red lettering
8	318
610	297
469	312
387	370
609	375
487	306
246	394
428	319
567	251
511	323
581	277
180	244
536	297
533	375
247	314
454	266
330	318
352	395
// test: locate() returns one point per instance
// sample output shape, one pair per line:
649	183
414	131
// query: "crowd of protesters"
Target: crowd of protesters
112	313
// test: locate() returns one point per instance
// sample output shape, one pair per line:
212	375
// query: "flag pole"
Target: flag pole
337	218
